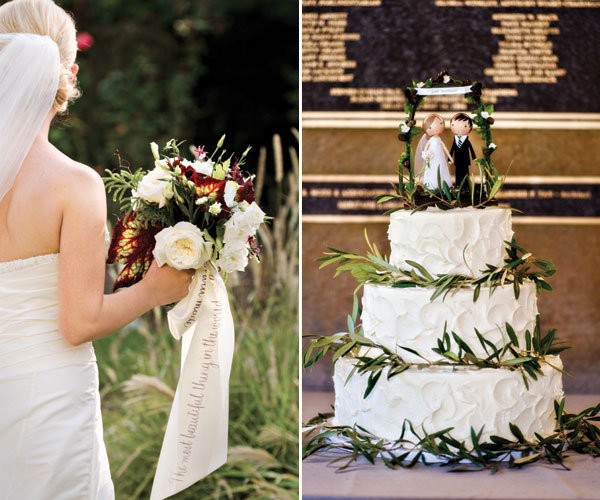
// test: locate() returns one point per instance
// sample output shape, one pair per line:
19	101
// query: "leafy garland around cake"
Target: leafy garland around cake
372	358
519	266
574	432
416	196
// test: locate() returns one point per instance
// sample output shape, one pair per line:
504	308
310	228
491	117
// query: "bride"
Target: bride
432	157
53	239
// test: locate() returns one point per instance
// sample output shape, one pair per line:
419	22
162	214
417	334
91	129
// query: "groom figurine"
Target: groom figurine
462	151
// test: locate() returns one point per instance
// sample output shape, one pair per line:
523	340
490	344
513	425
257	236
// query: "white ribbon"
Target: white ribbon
195	442
444	90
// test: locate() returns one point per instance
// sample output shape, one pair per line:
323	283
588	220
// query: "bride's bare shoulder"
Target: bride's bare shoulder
75	180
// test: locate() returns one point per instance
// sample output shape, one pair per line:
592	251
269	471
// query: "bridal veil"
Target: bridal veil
29	75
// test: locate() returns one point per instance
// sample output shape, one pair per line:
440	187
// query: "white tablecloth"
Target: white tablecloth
539	481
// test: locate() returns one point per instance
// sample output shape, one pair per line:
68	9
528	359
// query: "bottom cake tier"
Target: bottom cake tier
438	397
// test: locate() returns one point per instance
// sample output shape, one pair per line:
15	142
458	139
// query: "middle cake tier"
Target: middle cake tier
394	317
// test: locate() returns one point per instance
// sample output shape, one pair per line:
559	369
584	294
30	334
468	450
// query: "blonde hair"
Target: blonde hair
428	120
44	17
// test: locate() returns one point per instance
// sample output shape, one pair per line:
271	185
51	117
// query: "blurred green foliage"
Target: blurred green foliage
190	69
263	405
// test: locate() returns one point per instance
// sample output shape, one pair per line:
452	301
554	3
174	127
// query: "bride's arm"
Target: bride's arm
446	151
85	312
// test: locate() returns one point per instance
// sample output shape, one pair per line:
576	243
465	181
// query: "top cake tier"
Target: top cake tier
456	241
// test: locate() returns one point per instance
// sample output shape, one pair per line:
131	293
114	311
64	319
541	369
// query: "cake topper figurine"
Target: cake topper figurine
461	150
432	157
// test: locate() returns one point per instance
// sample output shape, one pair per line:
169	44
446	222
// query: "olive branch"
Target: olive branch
519	266
373	359
577	433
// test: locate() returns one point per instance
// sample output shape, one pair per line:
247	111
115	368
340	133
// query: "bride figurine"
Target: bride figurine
432	156
52	271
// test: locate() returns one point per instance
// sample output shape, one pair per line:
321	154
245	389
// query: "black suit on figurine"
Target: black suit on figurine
462	158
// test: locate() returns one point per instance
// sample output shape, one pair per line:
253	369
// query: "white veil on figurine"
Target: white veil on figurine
419	161
29	74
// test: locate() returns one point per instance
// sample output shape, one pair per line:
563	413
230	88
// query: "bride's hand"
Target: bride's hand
166	284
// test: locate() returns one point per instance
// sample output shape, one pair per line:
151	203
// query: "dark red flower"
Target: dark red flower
246	192
190	173
206	186
254	247
236	173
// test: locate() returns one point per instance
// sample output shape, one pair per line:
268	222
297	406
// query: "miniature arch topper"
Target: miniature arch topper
423	176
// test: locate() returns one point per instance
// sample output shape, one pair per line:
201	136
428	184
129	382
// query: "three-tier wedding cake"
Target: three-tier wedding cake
435	396
447	354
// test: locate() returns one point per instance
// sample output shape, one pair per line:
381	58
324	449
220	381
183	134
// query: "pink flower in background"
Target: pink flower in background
84	41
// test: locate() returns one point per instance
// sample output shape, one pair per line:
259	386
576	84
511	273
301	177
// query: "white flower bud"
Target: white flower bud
215	208
154	149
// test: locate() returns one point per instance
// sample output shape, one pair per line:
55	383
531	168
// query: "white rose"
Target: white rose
245	223
235	233
446	79
202	200
485	114
182	246
215	208
254	215
492	145
233	257
231	188
405	128
203	167
153	188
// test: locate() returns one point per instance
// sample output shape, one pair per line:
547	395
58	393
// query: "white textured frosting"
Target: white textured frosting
436	398
437	238
407	317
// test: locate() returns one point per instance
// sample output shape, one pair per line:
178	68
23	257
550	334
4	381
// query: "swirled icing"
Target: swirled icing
436	398
437	239
407	317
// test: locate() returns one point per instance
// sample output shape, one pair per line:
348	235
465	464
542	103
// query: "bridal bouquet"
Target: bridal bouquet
184	213
190	214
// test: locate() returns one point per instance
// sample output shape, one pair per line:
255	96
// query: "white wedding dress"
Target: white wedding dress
51	443
437	162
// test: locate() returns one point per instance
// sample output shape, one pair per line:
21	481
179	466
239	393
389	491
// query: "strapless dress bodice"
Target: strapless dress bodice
29	335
